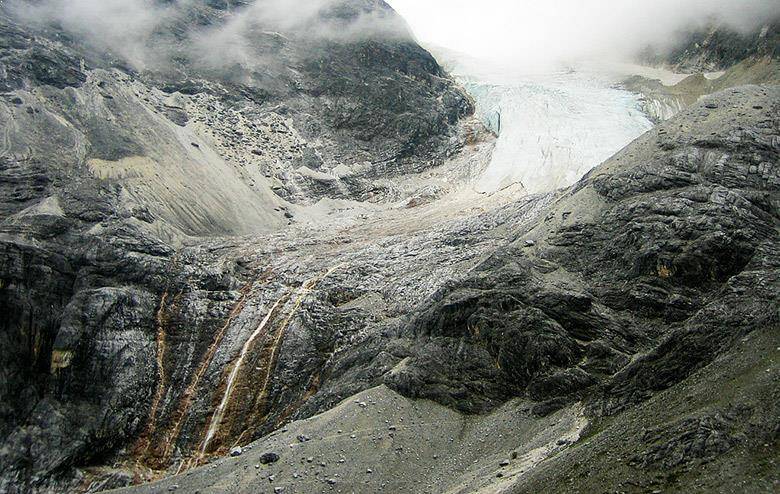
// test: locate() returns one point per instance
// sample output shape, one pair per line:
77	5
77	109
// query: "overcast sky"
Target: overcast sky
530	30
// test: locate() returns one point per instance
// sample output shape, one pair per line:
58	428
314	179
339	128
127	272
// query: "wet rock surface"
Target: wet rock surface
189	264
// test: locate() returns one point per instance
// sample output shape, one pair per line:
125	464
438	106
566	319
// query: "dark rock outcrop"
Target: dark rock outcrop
658	248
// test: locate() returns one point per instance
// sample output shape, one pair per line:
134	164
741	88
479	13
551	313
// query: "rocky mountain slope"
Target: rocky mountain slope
113	159
277	118
588	341
278	248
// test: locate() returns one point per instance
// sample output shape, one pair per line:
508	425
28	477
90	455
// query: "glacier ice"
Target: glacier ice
554	127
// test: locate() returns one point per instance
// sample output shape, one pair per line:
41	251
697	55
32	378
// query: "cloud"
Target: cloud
520	31
531	31
139	30
119	26
235	41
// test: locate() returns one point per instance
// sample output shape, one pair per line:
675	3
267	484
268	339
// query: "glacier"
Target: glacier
552	127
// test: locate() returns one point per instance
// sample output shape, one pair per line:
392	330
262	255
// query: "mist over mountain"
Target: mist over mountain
533	34
147	33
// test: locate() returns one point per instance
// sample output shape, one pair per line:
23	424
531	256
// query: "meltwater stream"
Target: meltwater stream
553	127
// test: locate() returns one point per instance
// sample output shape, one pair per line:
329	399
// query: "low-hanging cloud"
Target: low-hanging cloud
531	31
235	40
521	31
118	26
132	29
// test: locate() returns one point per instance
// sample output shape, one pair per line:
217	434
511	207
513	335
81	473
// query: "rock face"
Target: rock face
199	251
113	158
733	59
236	127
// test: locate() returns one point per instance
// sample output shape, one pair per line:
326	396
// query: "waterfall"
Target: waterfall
219	413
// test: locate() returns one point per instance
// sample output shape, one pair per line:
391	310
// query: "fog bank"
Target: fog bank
530	32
